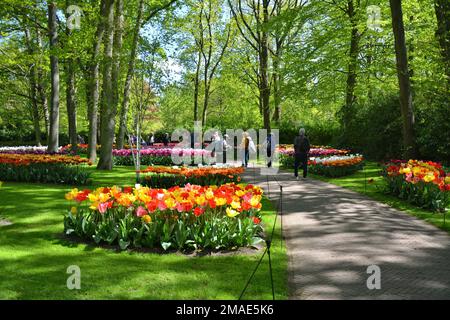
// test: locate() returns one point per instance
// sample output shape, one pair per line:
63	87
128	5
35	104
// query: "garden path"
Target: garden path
333	234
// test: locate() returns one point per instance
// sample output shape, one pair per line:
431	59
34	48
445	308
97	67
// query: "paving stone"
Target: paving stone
333	234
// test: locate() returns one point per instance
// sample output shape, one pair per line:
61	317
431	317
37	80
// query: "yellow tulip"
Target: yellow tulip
147	218
240	193
94	206
170	203
209	194
232	213
103	197
220	201
93	197
429	178
72	194
73	210
235	204
200	200
255	200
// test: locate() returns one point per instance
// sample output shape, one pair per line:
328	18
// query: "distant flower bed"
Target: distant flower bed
192	217
155	156
166	177
324	161
316	151
25	150
336	166
423	183
58	169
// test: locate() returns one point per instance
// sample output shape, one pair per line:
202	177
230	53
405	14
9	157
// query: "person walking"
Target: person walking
225	147
216	145
269	146
151	139
301	152
245	149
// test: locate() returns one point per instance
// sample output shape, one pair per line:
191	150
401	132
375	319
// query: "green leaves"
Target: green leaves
45	173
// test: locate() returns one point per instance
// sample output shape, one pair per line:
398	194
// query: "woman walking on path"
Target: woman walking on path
244	146
301	150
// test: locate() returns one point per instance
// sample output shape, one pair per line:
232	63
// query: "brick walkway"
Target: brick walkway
333	235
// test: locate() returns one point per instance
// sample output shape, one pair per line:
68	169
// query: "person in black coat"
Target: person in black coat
301	153
165	140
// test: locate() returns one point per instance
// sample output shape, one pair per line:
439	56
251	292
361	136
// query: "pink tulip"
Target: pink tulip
140	211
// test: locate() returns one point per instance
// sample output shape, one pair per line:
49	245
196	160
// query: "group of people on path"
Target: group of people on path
221	147
302	148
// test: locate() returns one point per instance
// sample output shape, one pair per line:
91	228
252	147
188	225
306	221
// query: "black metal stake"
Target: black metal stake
281	216
268	243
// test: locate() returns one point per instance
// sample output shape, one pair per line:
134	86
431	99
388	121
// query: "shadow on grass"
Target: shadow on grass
34	258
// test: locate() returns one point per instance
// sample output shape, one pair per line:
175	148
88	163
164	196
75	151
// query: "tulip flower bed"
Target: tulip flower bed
286	153
336	166
316	151
423	183
166	177
56	169
188	218
324	161
27	150
155	156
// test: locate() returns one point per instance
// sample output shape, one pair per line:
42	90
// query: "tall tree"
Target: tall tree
351	9
53	139
33	92
211	52
108	109
41	87
442	10
117	48
252	19
406	103
287	13
71	103
92	85
140	20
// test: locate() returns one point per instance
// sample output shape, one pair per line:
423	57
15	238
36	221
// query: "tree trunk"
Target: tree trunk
117	47
205	103
264	62
33	89
197	85
277	84
70	95
130	72
442	10
350	97
406	103
71	103
53	139
41	85
108	110
92	86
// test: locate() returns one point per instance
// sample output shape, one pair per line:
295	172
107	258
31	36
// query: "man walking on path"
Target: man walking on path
301	150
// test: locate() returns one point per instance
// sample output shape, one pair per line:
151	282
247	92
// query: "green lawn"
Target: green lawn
370	183
34	258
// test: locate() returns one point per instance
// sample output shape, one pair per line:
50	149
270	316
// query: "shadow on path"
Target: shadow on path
333	234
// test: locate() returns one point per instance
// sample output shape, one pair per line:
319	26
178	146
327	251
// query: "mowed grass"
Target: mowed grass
370	183
34	257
